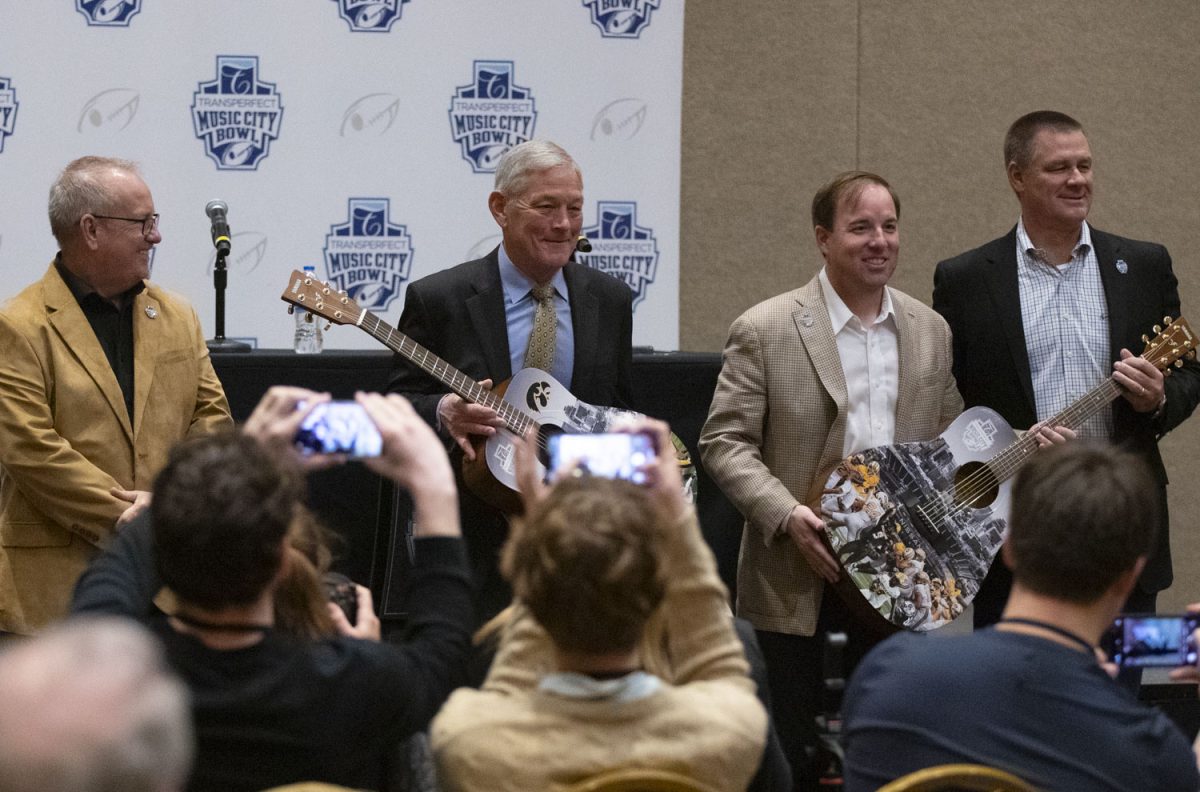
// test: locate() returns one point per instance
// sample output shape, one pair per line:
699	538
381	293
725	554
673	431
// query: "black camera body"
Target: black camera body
340	590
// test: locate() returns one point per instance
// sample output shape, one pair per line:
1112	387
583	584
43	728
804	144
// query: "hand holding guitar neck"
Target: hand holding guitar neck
1141	380
462	419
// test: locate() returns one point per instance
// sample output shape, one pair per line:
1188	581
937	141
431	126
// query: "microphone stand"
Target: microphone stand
220	278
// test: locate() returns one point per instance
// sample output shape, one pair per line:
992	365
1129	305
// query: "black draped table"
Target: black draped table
360	509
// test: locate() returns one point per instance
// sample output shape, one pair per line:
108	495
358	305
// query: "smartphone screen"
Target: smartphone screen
617	455
1147	640
339	427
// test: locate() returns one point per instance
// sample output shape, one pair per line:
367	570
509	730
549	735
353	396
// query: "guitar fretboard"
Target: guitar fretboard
1006	463
468	389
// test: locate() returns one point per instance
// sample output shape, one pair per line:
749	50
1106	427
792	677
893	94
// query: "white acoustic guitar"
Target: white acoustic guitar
529	398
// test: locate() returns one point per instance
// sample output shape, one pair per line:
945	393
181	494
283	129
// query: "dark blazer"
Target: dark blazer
458	314
977	293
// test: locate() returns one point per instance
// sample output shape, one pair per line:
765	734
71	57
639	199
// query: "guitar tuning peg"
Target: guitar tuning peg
1178	364
327	326
1145	338
291	310
1157	329
1167	320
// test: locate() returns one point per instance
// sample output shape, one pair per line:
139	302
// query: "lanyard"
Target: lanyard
1054	628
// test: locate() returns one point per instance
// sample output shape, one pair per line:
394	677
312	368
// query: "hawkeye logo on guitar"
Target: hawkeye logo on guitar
369	257
538	396
621	247
237	115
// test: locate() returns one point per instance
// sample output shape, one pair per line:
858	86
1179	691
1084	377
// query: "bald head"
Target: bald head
89	707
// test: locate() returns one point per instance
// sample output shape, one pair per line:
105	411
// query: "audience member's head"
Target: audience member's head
585	561
89	707
1083	516
301	600
222	509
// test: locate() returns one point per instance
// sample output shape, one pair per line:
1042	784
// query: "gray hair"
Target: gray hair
519	163
90	707
79	190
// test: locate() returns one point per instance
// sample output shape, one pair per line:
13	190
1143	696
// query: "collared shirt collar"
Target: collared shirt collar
840	314
1025	244
517	284
630	687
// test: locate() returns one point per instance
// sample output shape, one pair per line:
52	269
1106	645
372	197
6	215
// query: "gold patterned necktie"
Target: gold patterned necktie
540	352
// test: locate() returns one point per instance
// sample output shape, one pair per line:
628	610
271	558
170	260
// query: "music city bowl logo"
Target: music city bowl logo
108	13
621	18
8	109
371	114
370	16
369	257
110	110
491	115
237	115
621	247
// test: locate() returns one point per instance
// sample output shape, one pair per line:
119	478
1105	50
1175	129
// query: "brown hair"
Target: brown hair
1018	142
1082	514
847	185
585	561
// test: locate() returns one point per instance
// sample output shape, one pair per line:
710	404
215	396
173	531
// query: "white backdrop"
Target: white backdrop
327	141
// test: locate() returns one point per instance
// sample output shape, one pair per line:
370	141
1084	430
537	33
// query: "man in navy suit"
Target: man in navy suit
1043	314
479	317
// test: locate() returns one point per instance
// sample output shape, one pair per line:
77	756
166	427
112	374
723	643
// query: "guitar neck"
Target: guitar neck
1009	461
458	383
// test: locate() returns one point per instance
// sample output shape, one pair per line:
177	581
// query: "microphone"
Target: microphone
583	245
220	226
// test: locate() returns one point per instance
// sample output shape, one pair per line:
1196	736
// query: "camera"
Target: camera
616	455
1147	640
340	590
339	427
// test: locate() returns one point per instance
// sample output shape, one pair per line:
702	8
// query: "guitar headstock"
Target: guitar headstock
1171	344
305	291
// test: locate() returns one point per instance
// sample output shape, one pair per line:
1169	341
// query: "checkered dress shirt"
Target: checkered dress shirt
1065	317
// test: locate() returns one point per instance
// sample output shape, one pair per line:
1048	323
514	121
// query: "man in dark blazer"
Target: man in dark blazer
479	317
1048	311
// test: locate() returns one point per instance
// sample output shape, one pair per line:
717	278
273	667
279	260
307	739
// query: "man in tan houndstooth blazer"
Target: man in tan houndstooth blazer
841	364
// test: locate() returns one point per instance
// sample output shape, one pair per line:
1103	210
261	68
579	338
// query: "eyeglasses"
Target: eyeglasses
149	224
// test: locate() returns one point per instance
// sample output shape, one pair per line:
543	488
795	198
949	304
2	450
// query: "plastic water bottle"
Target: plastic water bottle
308	340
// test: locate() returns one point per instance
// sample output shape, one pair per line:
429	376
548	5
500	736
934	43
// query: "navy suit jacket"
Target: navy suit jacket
978	295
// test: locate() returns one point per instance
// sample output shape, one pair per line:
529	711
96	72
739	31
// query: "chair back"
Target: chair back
632	779
971	777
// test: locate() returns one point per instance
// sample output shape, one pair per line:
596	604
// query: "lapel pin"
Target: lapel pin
150	312
1122	267
806	319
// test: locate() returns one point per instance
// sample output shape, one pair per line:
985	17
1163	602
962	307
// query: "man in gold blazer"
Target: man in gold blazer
841	364
102	373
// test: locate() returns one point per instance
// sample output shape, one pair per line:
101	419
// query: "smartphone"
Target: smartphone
1151	639
339	427
617	455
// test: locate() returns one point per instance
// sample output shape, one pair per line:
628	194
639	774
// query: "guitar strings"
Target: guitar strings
999	468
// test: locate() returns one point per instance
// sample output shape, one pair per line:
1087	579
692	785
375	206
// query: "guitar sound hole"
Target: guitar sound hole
975	485
544	432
